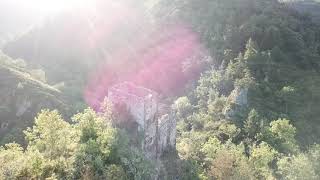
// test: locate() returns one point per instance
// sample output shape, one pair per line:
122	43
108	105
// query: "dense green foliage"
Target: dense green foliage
89	148
272	53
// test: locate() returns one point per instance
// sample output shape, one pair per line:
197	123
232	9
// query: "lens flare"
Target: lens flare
156	58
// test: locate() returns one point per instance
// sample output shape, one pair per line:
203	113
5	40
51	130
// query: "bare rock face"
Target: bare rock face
239	96
238	100
155	120
21	98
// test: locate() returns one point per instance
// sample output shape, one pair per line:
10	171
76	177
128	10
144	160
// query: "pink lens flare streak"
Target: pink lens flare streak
154	59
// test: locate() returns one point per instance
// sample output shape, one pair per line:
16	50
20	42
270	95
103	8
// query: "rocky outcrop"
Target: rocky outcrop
239	96
154	119
237	101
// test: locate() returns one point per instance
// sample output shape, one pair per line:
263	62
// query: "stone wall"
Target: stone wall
155	120
135	104
150	128
167	132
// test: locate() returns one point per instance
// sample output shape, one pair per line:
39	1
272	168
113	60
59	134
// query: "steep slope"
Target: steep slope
75	43
259	99
22	97
91	50
283	53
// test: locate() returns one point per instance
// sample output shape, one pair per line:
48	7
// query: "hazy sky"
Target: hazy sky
44	6
16	16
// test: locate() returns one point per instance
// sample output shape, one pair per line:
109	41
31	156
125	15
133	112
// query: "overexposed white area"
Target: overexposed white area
17	16
46	6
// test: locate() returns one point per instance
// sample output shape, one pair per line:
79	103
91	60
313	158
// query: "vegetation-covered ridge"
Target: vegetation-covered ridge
23	94
19	68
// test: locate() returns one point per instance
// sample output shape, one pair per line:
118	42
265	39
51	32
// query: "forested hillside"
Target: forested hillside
243	78
308	7
253	114
24	93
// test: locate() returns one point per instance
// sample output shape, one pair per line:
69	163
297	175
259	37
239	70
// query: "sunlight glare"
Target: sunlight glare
55	6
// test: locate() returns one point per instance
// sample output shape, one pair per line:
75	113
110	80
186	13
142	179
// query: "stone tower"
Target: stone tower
154	119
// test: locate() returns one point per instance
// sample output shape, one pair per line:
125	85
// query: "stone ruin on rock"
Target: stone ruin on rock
156	120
